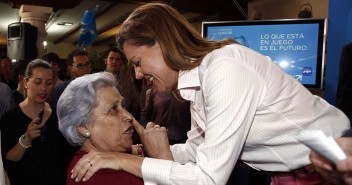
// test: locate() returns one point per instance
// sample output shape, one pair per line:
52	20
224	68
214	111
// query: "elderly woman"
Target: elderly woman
91	114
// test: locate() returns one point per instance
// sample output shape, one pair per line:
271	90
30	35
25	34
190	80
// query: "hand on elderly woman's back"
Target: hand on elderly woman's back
92	162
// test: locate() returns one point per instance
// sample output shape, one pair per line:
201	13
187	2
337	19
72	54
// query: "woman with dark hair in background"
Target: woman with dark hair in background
164	109
33	149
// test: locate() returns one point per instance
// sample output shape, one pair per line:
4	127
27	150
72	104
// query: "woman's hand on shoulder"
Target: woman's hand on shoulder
90	163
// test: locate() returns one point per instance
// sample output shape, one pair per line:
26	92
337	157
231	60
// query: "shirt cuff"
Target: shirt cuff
156	170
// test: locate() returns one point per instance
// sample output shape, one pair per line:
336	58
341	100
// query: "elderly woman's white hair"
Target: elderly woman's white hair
76	102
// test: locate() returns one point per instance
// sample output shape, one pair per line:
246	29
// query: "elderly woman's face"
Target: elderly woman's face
112	129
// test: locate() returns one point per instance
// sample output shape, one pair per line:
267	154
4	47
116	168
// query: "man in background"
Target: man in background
6	73
344	88
54	60
78	65
6	103
116	63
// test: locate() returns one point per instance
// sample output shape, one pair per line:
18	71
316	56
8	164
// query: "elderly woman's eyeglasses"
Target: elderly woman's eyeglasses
81	65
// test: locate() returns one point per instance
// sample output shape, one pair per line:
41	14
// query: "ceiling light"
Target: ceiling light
65	23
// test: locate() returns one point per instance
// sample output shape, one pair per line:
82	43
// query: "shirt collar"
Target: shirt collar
189	83
188	79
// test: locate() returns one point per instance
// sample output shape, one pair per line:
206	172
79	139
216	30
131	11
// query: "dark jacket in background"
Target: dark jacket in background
344	88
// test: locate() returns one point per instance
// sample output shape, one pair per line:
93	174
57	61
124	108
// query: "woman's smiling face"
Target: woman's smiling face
149	63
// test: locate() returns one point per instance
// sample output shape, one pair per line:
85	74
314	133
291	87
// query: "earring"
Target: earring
88	134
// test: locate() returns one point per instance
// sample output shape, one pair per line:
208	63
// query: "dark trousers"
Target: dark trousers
245	175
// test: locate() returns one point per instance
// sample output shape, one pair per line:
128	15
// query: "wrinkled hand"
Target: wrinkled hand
345	166
346	144
154	139
33	129
342	172
92	162
325	168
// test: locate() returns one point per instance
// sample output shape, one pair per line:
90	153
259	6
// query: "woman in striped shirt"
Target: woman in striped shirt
243	106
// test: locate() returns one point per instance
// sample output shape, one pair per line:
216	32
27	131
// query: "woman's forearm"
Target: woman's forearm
131	163
16	153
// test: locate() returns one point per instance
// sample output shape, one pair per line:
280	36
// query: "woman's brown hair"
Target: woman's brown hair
182	46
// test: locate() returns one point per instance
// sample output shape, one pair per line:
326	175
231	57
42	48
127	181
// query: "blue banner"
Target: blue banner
88	28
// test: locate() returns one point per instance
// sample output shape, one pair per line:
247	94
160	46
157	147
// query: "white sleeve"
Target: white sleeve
184	153
232	93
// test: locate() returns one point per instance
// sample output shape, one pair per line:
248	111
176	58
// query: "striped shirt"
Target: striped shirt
6	103
244	107
6	99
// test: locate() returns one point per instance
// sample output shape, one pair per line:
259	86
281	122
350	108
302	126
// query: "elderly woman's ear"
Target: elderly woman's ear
83	130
